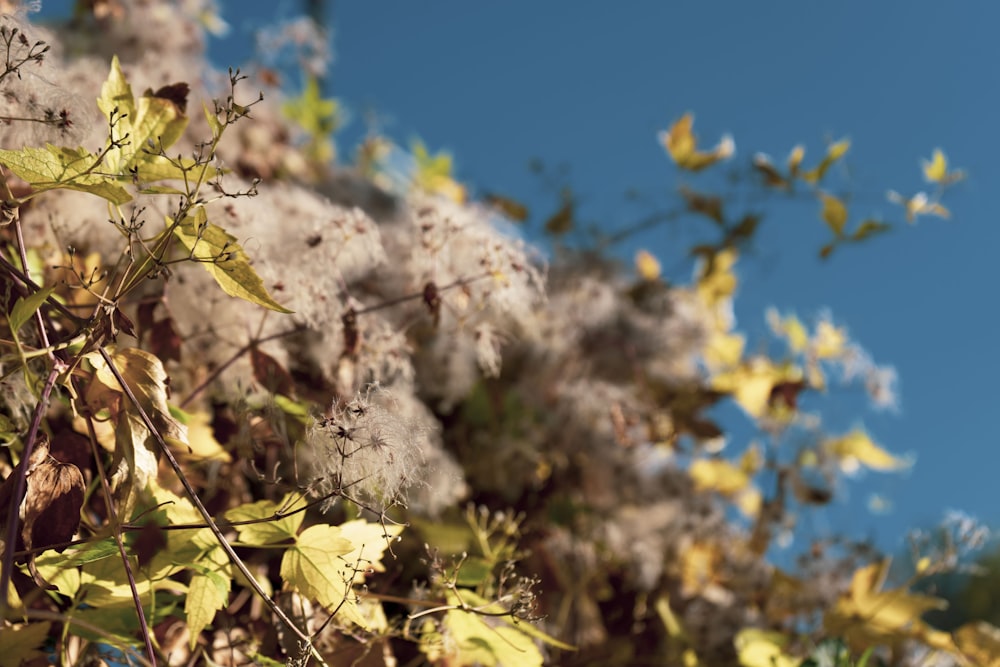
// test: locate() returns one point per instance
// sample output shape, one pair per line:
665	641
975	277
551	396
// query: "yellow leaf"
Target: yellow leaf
207	594
151	123
716	280
833	153
699	568
434	173
829	342
52	167
759	648
682	146
979	641
723	351
856	448
936	169
790	328
21	644
718	475
647	265
834	213
201	445
273	531
223	257
867	615
471	641
370	542
752	382
315	567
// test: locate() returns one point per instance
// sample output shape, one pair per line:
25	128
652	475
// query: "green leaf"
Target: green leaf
223	257
275	531
473	642
53	167
315	568
92	552
313	113
213	121
21	644
207	594
152	123
26	306
834	213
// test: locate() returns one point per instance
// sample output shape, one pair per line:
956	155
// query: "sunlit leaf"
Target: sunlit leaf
22	644
317	115
207	594
201	444
829	341
70	168
682	146
918	204
151	123
434	173
979	641
790	328
869	228
222	256
647	265
370	542
868	615
834	153
857	448
760	648
273	531
316	568
834	213
26	306
936	169
136	449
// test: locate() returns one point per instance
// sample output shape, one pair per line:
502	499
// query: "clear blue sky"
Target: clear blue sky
590	83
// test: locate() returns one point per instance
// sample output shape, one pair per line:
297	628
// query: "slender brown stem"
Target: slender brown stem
189	490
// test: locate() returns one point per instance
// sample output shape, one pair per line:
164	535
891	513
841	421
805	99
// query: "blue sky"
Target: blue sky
589	84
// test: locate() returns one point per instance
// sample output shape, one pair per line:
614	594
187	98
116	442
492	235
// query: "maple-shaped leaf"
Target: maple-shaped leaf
224	258
315	566
682	146
24	644
273	528
870	615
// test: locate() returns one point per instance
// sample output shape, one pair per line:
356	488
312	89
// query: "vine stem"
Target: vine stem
20	486
212	525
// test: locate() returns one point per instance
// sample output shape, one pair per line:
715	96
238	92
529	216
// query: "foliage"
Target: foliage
372	428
